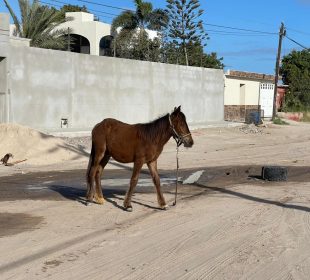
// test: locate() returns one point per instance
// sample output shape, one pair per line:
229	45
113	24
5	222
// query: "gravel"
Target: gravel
81	142
251	129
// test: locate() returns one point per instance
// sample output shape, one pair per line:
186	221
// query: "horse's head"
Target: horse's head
180	128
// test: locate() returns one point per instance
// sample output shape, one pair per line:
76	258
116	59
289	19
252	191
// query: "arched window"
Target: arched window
105	46
79	44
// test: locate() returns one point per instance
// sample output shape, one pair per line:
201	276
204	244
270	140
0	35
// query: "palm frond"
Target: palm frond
126	19
39	23
15	19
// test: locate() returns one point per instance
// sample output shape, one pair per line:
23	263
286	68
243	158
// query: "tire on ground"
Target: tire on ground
274	173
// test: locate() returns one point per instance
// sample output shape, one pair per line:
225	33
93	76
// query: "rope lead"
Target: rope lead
177	177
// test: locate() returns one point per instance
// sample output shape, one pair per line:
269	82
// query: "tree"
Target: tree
73	8
184	26
39	23
138	47
196	56
130	26
295	71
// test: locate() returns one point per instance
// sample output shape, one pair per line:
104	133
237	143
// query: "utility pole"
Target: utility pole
282	33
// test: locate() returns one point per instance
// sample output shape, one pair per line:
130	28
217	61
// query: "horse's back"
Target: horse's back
118	138
109	126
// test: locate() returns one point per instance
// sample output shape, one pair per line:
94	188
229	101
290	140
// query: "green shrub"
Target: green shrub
280	121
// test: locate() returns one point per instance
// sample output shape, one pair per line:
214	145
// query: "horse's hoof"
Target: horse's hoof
128	209
99	200
165	207
88	203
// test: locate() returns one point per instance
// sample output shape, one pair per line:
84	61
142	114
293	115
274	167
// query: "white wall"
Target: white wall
47	85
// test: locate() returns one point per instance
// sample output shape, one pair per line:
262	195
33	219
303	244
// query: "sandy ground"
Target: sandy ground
238	231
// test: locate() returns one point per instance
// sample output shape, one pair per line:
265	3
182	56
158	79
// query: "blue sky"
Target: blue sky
241	50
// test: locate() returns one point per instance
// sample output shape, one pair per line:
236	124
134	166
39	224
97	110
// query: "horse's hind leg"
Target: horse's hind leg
89	178
98	195
133	182
94	163
156	180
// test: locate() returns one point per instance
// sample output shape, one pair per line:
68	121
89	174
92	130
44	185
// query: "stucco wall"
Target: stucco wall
232	92
47	85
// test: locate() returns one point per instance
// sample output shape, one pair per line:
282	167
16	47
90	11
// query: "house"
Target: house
91	36
247	92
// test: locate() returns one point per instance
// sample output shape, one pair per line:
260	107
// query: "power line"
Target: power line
219	32
103	5
65	3
296	43
298	31
241	29
95	12
207	24
228	33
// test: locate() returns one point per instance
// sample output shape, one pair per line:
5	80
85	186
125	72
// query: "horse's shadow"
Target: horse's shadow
110	195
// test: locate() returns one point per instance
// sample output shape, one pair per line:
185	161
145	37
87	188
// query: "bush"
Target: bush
280	121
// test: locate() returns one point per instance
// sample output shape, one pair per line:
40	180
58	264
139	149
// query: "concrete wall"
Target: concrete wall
4	52
46	86
234	95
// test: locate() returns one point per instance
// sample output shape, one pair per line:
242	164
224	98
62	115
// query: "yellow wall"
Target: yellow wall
234	95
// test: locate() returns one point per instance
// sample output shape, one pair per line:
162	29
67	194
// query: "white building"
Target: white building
91	36
247	92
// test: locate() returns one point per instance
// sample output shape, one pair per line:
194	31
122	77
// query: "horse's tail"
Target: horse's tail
90	162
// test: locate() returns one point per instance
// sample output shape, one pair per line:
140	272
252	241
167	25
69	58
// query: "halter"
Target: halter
179	139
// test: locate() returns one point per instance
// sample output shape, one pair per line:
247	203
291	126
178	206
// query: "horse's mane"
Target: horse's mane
154	130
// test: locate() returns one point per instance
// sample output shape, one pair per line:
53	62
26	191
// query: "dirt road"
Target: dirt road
228	225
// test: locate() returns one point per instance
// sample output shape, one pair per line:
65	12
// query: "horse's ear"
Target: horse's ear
177	110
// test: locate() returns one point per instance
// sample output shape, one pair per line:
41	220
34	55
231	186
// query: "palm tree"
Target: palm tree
133	23
40	24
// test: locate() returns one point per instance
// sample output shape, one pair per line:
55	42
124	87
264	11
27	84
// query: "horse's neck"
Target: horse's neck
166	135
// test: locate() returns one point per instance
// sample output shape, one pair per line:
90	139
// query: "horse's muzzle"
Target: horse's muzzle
188	142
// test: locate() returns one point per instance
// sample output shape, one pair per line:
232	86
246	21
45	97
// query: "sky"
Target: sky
245	33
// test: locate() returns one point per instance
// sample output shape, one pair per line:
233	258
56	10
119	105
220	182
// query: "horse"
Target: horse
138	143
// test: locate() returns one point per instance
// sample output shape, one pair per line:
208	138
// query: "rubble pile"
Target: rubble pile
251	129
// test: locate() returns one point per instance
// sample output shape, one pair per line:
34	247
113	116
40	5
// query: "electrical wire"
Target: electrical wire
232	33
245	31
298	31
91	10
241	29
104	5
219	32
95	12
297	43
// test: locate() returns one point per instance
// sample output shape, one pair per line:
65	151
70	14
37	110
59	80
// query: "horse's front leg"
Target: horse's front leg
154	173
133	182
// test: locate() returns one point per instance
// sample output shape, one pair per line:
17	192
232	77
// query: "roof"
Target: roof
249	75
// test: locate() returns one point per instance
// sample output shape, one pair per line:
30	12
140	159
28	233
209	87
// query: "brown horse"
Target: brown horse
137	143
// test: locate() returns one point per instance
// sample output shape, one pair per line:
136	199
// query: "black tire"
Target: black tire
274	173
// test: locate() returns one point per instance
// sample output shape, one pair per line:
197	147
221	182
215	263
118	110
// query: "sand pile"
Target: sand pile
38	148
